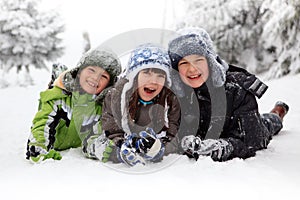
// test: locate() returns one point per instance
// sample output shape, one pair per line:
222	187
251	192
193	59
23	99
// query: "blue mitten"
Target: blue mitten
128	153
149	145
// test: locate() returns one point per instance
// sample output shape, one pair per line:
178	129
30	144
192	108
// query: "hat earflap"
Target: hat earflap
218	68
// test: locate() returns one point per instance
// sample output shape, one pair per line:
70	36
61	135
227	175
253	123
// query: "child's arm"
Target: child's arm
101	142
98	146
109	119
42	136
171	140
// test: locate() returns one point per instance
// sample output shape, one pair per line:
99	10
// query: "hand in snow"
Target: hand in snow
52	154
128	153
218	150
149	145
102	148
139	148
190	144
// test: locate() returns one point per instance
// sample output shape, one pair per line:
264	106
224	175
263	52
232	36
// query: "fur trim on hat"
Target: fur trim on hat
197	41
105	59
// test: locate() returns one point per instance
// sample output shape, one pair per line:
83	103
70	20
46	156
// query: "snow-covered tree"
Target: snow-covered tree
255	34
234	26
281	37
28	37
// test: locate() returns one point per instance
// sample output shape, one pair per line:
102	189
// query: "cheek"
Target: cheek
207	71
141	81
81	80
103	83
160	88
182	75
182	71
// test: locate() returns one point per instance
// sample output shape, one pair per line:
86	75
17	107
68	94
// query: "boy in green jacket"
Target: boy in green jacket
70	112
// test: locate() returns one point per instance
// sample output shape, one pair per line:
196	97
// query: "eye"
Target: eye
199	59
182	63
146	72
91	69
161	76
105	76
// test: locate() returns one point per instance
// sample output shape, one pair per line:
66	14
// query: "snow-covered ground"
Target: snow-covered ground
273	174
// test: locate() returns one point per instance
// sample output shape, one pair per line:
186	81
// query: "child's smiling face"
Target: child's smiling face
150	83
93	79
193	70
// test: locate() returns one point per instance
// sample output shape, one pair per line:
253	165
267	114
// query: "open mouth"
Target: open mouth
194	76
92	84
149	90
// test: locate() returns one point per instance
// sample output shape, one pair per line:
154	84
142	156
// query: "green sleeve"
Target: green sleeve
43	130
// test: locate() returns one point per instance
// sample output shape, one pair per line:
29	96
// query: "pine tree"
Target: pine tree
260	35
28	37
234	26
281	37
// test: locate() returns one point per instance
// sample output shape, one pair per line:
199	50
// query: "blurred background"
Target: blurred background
260	35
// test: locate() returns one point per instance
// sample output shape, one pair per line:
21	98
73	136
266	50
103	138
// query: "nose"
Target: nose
153	79
192	68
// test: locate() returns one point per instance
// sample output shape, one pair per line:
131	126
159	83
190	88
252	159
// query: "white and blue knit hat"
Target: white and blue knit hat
197	41
148	56
143	57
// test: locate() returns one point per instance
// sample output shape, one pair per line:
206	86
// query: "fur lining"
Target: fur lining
59	81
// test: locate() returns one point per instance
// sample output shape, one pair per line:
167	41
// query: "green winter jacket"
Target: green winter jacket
63	121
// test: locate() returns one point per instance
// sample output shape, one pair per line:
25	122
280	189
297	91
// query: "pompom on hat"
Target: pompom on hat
197	41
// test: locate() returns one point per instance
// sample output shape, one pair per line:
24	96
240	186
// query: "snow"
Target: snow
273	174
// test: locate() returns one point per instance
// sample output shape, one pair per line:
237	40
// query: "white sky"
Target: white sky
104	19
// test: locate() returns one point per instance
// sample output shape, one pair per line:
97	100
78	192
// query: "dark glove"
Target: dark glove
140	148
150	147
191	144
128	153
218	150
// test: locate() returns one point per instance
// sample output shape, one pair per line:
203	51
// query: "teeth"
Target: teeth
92	84
150	89
194	76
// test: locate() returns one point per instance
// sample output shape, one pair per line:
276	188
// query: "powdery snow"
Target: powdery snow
273	174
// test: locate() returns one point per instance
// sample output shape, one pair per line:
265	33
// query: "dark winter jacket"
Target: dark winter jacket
229	112
163	119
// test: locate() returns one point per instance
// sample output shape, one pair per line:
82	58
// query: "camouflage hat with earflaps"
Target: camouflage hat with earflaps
105	59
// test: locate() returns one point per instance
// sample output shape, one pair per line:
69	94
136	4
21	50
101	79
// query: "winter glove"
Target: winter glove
51	154
100	148
191	144
127	153
218	150
149	145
